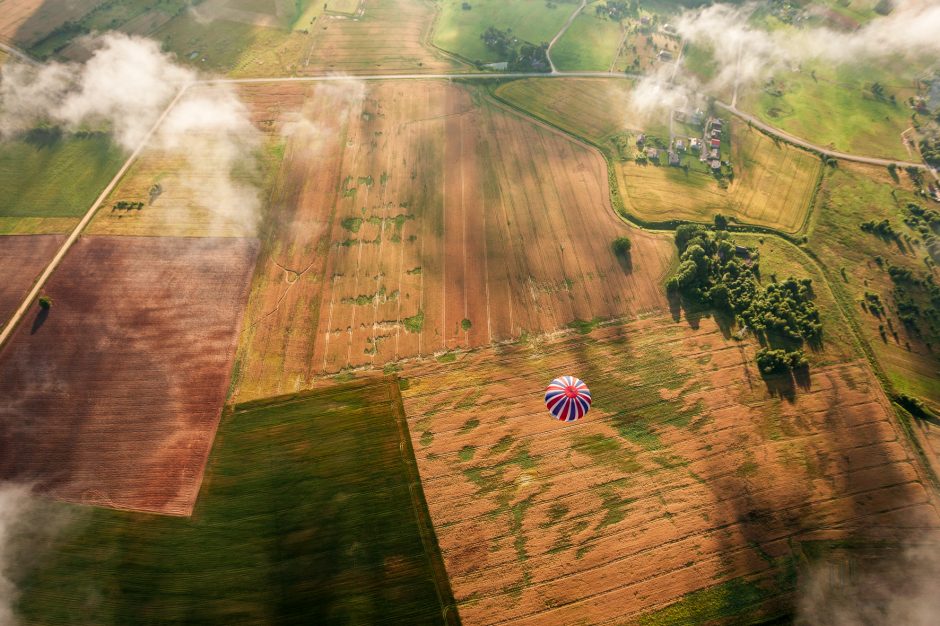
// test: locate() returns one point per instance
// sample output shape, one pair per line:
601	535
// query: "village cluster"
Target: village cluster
707	147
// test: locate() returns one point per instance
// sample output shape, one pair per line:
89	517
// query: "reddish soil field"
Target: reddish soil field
114	397
426	206
689	471
22	259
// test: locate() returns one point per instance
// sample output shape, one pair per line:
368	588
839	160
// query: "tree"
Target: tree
721	222
622	246
45	303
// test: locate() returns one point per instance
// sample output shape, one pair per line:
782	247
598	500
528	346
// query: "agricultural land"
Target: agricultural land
292	369
773	183
368	266
326	465
122	412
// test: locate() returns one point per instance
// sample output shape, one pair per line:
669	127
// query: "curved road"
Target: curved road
30	298
757	123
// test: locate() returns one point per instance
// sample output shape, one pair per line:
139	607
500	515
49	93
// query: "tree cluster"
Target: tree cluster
622	246
124	205
618	11
520	55
771	361
883	229
714	272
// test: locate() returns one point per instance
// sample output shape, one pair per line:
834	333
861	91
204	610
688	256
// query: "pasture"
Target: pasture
591	43
311	511
49	174
849	196
112	397
22	259
685	490
835	107
458	30
430	219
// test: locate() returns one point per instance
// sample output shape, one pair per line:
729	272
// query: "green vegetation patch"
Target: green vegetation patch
49	174
308	513
459	30
591	43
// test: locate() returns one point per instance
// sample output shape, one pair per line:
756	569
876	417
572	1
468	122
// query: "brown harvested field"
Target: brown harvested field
430	205
22	259
113	399
389	37
688	473
25	22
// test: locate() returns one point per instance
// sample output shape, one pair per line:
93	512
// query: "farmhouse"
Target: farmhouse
680	145
713	153
695	144
665	55
715	143
673	159
652	154
715	164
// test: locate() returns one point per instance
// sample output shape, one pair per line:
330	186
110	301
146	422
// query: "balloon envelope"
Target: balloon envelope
567	398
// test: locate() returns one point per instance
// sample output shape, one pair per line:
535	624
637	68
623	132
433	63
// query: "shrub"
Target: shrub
45	303
622	246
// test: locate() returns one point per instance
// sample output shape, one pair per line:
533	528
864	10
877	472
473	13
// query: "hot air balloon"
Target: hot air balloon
567	398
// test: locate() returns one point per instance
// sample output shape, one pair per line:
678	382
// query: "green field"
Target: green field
590	44
310	511
47	174
835	107
459	31
848	197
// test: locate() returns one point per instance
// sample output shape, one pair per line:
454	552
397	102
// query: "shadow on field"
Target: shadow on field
40	319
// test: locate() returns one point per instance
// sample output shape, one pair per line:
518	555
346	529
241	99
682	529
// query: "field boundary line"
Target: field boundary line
423	518
24	307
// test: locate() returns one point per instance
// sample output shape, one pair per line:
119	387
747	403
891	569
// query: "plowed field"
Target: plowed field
22	259
113	398
689	474
430	219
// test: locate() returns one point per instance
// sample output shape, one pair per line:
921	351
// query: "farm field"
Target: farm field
685	492
592	108
773	185
26	21
849	196
306	516
113	397
507	233
835	108
591	43
390	37
52	175
202	190
773	182
534	21
22	259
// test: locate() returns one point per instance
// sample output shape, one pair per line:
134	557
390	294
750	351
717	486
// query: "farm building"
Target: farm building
715	143
673	159
680	145
652	153
715	164
695	144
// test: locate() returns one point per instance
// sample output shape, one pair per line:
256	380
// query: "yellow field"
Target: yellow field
773	186
773	182
593	108
36	225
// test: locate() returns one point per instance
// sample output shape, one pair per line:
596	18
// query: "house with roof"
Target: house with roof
673	159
